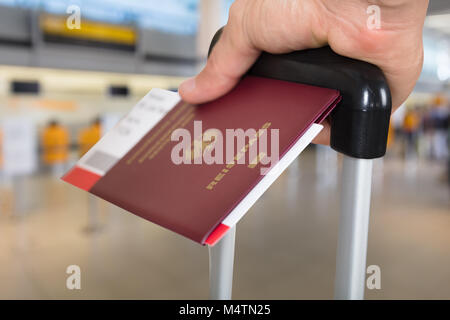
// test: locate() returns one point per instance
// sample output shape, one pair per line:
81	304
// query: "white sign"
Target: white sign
19	146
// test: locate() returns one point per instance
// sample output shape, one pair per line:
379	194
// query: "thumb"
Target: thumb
230	59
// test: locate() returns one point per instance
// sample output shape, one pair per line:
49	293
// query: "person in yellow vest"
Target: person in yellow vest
411	125
55	143
89	136
391	136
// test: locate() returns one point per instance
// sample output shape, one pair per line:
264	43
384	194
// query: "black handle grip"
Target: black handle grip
360	124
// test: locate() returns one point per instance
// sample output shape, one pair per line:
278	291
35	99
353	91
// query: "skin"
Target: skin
282	26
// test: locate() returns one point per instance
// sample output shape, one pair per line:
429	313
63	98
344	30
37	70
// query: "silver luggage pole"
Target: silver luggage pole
353	228
221	261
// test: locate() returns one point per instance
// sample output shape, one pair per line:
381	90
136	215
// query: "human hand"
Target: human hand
282	26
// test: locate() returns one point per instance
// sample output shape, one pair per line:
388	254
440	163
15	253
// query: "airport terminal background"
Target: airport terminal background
61	89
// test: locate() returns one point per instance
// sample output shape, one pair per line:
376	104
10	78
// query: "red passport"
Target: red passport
197	169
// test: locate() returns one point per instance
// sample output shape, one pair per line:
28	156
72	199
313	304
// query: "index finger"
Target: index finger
230	59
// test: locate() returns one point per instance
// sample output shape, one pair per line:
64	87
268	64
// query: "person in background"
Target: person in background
55	145
411	125
391	136
439	121
89	136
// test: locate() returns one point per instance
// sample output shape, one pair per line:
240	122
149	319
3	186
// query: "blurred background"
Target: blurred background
62	87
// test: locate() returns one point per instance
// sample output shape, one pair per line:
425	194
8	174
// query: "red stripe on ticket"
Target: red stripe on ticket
217	234
81	178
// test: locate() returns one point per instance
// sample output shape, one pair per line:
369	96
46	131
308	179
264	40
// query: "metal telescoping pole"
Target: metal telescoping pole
221	261
353	229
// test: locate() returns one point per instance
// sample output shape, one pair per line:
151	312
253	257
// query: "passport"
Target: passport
197	169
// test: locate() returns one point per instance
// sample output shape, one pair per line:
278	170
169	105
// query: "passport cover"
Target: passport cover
131	165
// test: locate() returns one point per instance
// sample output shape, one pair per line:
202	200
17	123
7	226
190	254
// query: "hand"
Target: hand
282	26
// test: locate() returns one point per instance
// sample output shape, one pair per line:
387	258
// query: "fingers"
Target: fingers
230	59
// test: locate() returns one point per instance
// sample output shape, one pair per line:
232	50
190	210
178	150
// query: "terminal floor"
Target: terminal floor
286	244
